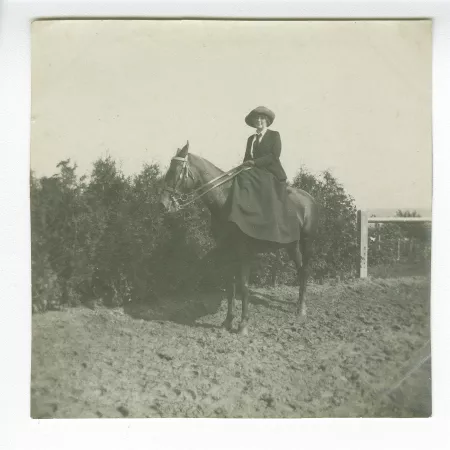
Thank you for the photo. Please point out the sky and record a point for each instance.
(353, 97)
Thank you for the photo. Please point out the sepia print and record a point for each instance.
(231, 219)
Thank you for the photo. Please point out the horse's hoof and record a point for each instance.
(243, 330)
(227, 324)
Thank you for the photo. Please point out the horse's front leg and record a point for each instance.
(245, 275)
(231, 297)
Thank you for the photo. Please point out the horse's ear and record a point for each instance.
(184, 151)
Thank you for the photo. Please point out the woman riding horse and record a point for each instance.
(259, 202)
(266, 213)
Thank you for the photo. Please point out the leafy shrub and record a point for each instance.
(335, 246)
(103, 237)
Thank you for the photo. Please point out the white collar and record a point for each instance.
(262, 133)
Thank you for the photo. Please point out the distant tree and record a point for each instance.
(393, 242)
(418, 231)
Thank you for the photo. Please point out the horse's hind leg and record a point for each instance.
(300, 255)
(306, 251)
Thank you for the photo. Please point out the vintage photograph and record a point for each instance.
(231, 218)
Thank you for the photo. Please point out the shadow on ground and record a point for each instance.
(183, 309)
(271, 302)
(188, 308)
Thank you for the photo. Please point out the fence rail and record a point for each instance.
(363, 220)
(398, 219)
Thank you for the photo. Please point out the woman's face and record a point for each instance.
(261, 121)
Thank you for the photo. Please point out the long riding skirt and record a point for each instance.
(259, 205)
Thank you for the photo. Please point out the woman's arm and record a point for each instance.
(248, 153)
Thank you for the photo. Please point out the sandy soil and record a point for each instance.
(173, 359)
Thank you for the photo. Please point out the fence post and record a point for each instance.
(363, 241)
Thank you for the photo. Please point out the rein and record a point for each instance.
(185, 200)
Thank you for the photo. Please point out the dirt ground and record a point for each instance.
(363, 351)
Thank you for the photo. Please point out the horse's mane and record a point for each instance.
(291, 189)
(207, 163)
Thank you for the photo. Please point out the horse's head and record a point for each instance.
(178, 180)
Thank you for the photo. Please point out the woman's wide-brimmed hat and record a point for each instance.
(250, 119)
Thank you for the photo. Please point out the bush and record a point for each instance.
(104, 238)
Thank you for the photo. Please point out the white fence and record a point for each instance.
(363, 234)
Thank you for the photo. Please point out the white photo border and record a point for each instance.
(18, 430)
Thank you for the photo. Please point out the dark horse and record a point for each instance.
(188, 172)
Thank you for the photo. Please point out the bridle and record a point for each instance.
(181, 200)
